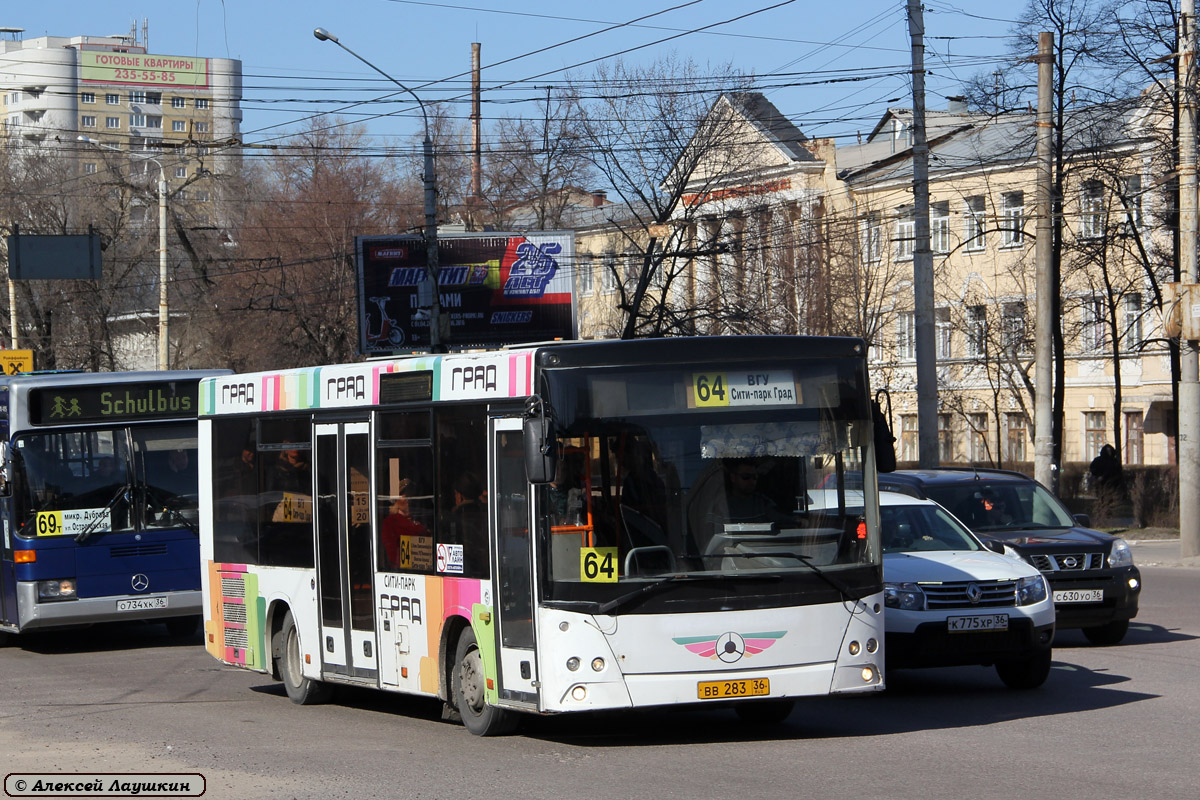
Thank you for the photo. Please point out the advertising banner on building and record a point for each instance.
(143, 69)
(496, 289)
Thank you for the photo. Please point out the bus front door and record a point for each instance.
(342, 468)
(512, 566)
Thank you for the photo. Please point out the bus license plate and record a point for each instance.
(982, 622)
(1079, 596)
(141, 604)
(749, 687)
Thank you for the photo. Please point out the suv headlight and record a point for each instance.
(1121, 554)
(906, 596)
(61, 589)
(1031, 590)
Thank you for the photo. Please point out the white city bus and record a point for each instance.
(553, 528)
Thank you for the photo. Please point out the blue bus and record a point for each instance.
(98, 500)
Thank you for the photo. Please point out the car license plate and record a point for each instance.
(749, 687)
(982, 622)
(1079, 595)
(141, 604)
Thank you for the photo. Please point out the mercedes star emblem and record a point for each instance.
(140, 582)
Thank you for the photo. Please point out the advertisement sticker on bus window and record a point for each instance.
(765, 387)
(293, 507)
(450, 558)
(416, 552)
(598, 564)
(73, 522)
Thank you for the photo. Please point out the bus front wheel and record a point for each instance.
(467, 687)
(301, 690)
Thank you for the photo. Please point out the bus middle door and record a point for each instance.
(512, 565)
(342, 468)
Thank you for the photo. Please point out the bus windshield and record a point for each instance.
(654, 481)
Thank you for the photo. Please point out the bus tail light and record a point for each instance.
(24, 556)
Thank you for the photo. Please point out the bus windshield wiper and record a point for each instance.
(644, 591)
(841, 588)
(91, 527)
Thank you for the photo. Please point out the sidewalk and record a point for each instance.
(1158, 552)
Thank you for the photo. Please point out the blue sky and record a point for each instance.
(797, 48)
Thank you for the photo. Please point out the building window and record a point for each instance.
(137, 120)
(137, 97)
(976, 331)
(178, 102)
(1016, 338)
(87, 121)
(14, 120)
(1094, 433)
(945, 439)
(181, 172)
(154, 122)
(87, 97)
(1132, 323)
(906, 236)
(1091, 210)
(1131, 200)
(1012, 212)
(1134, 438)
(974, 223)
(1095, 331)
(979, 437)
(939, 227)
(585, 276)
(89, 168)
(909, 437)
(608, 274)
(872, 238)
(201, 102)
(906, 336)
(201, 127)
(154, 98)
(178, 126)
(1018, 436)
(945, 343)
(112, 123)
(200, 196)
(112, 99)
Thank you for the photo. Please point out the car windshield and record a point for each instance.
(912, 528)
(998, 505)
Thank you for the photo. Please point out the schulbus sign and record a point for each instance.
(150, 399)
(495, 289)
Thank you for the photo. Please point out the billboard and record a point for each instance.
(496, 289)
(143, 69)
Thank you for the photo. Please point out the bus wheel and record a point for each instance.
(765, 712)
(181, 627)
(467, 684)
(302, 691)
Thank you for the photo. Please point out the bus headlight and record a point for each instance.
(906, 596)
(58, 589)
(1031, 590)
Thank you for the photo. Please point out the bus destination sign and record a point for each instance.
(148, 400)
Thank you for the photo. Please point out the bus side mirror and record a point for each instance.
(541, 450)
(885, 442)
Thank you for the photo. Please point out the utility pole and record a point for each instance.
(1043, 405)
(1189, 350)
(476, 121)
(927, 433)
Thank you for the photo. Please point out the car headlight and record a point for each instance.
(1031, 590)
(906, 596)
(1121, 554)
(59, 589)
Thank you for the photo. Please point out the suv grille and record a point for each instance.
(957, 594)
(1067, 562)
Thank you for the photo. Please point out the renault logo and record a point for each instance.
(974, 593)
(140, 582)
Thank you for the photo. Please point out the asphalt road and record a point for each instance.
(1111, 722)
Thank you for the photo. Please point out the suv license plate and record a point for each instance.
(1079, 596)
(750, 687)
(141, 603)
(983, 622)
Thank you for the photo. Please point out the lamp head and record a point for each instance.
(324, 35)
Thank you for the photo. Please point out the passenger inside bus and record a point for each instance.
(398, 524)
(291, 473)
(468, 518)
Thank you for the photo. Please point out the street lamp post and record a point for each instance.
(430, 179)
(163, 348)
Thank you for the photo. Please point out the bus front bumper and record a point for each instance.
(114, 608)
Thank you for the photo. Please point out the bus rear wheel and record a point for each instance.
(467, 683)
(301, 690)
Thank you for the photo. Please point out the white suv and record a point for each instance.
(951, 601)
